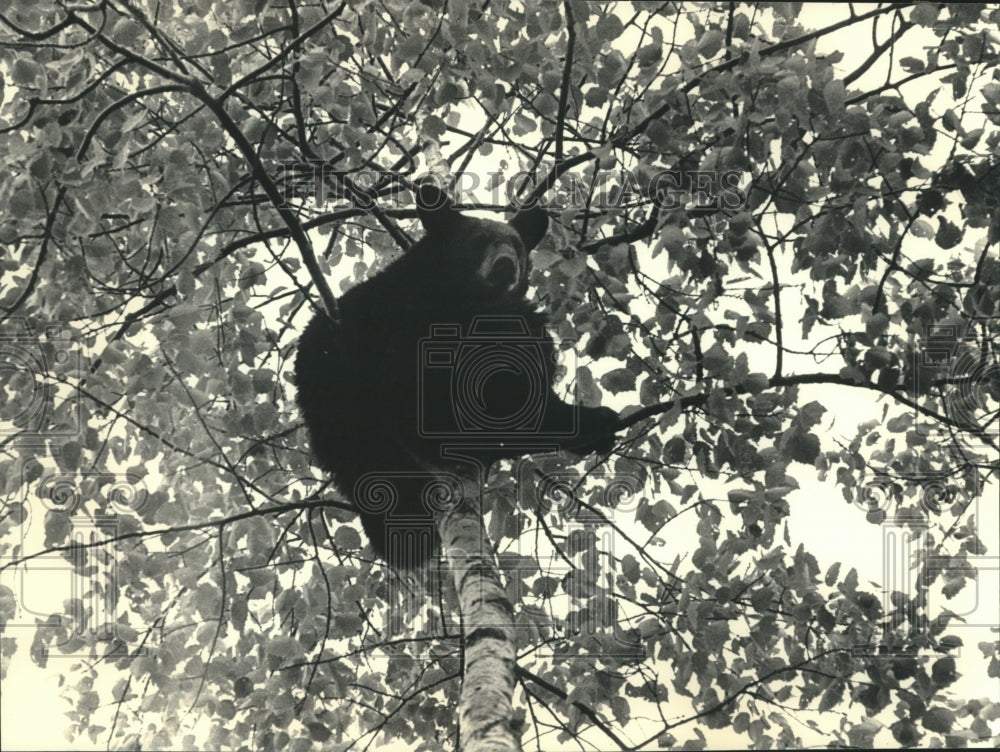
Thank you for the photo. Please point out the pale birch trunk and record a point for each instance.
(486, 713)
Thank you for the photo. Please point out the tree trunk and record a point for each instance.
(486, 715)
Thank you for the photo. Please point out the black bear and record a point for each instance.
(439, 367)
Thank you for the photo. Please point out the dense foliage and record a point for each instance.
(754, 236)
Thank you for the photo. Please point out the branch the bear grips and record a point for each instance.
(439, 367)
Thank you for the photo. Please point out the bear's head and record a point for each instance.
(501, 261)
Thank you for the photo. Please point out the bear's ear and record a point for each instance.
(435, 209)
(531, 225)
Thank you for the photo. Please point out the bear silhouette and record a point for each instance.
(440, 366)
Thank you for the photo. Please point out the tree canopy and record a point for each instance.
(773, 245)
